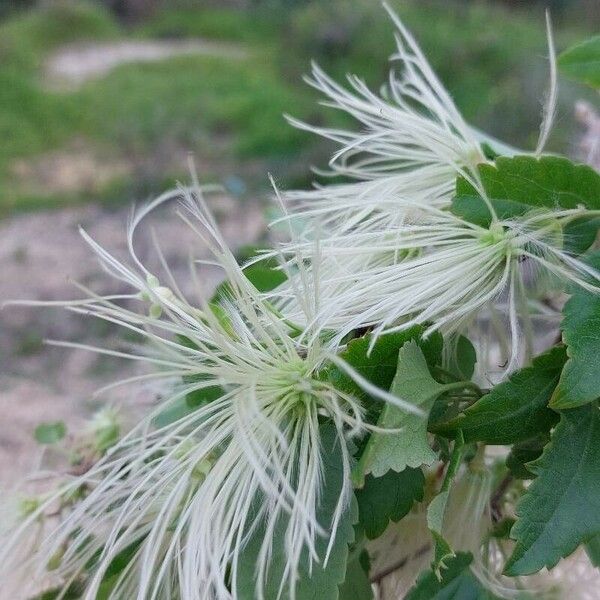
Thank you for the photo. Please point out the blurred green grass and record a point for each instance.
(228, 110)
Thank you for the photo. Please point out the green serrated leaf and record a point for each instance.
(561, 508)
(515, 410)
(410, 448)
(50, 433)
(580, 380)
(582, 61)
(356, 585)
(315, 580)
(388, 498)
(457, 583)
(519, 184)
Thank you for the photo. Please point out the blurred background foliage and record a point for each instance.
(124, 134)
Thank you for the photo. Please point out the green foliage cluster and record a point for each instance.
(231, 108)
(186, 102)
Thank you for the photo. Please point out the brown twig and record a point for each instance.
(496, 499)
(377, 578)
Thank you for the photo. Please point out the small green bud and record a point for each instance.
(155, 311)
(152, 281)
(105, 429)
(55, 560)
(27, 506)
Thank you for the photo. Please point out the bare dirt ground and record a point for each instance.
(38, 253)
(77, 169)
(73, 65)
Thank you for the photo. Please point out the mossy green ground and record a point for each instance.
(228, 111)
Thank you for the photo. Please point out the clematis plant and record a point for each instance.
(390, 412)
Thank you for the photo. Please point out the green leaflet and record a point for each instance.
(580, 234)
(561, 508)
(582, 61)
(525, 452)
(356, 585)
(202, 396)
(502, 529)
(592, 548)
(462, 358)
(264, 275)
(188, 404)
(74, 592)
(580, 380)
(321, 583)
(114, 571)
(388, 498)
(457, 583)
(488, 151)
(437, 510)
(175, 411)
(106, 587)
(207, 394)
(519, 184)
(515, 410)
(409, 448)
(50, 433)
(379, 365)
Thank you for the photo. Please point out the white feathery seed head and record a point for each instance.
(182, 500)
(441, 272)
(411, 145)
